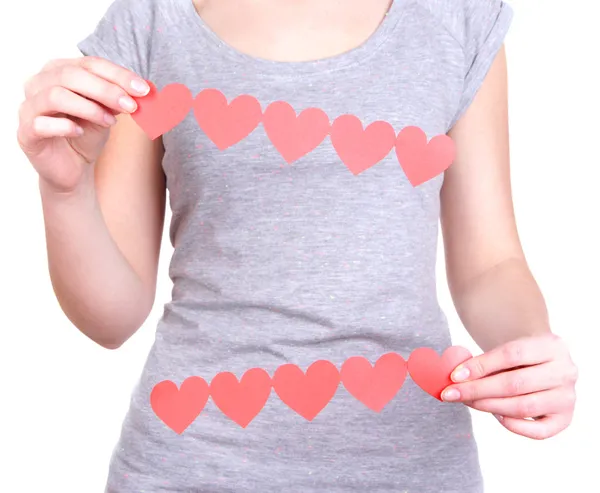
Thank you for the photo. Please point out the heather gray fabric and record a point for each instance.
(278, 263)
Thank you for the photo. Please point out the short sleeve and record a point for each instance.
(481, 27)
(125, 35)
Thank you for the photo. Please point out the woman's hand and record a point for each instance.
(65, 119)
(532, 377)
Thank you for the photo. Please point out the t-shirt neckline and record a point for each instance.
(282, 68)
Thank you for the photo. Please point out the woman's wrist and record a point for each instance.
(84, 190)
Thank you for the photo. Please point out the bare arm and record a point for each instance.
(104, 238)
(495, 294)
(525, 370)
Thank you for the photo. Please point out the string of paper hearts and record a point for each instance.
(306, 393)
(295, 135)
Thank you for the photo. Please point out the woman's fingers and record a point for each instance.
(128, 80)
(57, 101)
(86, 89)
(78, 80)
(46, 127)
(520, 352)
(131, 83)
(75, 74)
(92, 87)
(539, 429)
(508, 384)
(528, 406)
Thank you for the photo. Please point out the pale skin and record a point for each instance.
(103, 196)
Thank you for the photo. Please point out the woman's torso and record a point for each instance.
(278, 262)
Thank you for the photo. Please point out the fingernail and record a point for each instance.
(109, 119)
(461, 374)
(498, 417)
(451, 395)
(140, 86)
(127, 103)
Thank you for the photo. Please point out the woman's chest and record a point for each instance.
(352, 129)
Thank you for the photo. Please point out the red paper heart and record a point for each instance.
(360, 148)
(226, 124)
(178, 408)
(422, 161)
(294, 135)
(241, 401)
(309, 393)
(377, 385)
(161, 111)
(432, 373)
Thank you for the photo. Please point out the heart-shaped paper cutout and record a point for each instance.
(226, 124)
(178, 408)
(432, 372)
(309, 393)
(241, 401)
(420, 160)
(376, 385)
(295, 135)
(161, 111)
(360, 148)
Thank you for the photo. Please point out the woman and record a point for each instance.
(298, 240)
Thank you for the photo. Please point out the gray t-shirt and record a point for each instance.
(280, 262)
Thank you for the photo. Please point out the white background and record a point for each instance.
(62, 398)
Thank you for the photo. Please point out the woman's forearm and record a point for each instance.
(501, 305)
(94, 283)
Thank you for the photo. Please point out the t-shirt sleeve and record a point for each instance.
(124, 35)
(481, 27)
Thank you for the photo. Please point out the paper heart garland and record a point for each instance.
(306, 393)
(360, 148)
